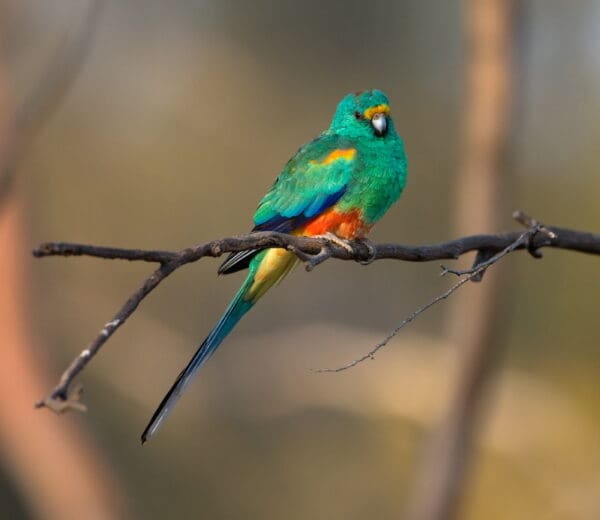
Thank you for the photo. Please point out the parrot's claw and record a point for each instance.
(312, 261)
(337, 241)
(372, 251)
(345, 244)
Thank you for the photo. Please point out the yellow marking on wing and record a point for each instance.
(347, 154)
(273, 268)
(377, 109)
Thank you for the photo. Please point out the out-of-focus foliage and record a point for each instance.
(182, 117)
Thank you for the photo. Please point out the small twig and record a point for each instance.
(411, 317)
(313, 261)
(523, 239)
(312, 251)
(61, 391)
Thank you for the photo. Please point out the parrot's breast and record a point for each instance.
(376, 182)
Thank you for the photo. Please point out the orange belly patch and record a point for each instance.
(345, 225)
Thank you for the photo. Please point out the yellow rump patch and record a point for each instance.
(348, 154)
(272, 269)
(377, 109)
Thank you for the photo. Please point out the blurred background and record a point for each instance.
(179, 118)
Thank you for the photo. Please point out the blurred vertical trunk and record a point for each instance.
(60, 474)
(476, 314)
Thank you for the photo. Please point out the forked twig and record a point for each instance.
(469, 274)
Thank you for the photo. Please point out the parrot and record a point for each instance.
(336, 186)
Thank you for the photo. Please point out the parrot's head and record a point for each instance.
(363, 114)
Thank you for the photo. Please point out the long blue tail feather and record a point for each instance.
(236, 309)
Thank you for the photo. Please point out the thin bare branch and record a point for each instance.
(522, 241)
(309, 250)
(306, 247)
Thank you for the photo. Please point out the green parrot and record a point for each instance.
(337, 185)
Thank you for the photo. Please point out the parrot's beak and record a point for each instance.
(379, 123)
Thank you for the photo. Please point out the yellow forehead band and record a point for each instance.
(378, 109)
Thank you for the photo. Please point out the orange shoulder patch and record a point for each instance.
(348, 154)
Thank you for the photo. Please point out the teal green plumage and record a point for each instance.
(342, 183)
(296, 190)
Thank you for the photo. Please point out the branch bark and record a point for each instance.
(582, 241)
(62, 398)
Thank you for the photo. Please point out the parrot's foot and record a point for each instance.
(337, 241)
(312, 261)
(371, 248)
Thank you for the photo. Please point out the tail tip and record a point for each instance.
(147, 435)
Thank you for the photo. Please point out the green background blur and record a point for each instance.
(181, 118)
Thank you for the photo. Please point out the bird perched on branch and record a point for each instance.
(337, 185)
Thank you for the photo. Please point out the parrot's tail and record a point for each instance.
(266, 269)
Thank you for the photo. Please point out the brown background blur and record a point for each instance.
(181, 118)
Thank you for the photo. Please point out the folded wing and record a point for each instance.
(312, 181)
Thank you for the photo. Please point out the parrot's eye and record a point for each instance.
(379, 124)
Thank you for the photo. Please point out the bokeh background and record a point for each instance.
(180, 118)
